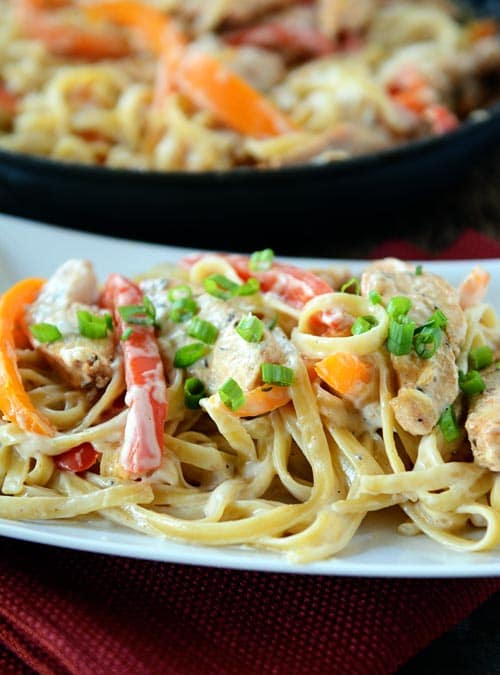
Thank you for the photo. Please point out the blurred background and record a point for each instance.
(436, 205)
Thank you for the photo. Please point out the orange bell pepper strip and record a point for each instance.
(344, 372)
(8, 101)
(38, 20)
(146, 396)
(482, 28)
(199, 76)
(156, 30)
(212, 86)
(15, 403)
(262, 400)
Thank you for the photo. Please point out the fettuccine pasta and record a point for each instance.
(232, 400)
(199, 85)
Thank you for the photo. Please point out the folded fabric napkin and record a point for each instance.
(67, 612)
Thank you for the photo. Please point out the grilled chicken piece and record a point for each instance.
(483, 422)
(242, 11)
(209, 15)
(426, 386)
(230, 355)
(81, 361)
(337, 16)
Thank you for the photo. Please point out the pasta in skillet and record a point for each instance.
(235, 400)
(199, 85)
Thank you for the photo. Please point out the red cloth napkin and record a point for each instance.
(64, 612)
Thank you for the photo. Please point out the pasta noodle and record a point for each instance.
(202, 85)
(233, 400)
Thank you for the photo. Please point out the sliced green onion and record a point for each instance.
(438, 319)
(94, 326)
(251, 287)
(250, 328)
(181, 292)
(203, 330)
(220, 286)
(363, 324)
(194, 391)
(261, 260)
(189, 354)
(352, 283)
(398, 307)
(375, 297)
(448, 424)
(471, 382)
(45, 332)
(480, 357)
(142, 315)
(231, 394)
(126, 334)
(400, 337)
(428, 336)
(418, 270)
(274, 322)
(426, 341)
(274, 373)
(183, 309)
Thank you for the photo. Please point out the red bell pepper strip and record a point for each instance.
(146, 395)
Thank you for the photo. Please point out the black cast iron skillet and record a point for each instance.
(242, 208)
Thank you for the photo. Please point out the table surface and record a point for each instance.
(474, 202)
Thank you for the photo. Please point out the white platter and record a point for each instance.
(32, 249)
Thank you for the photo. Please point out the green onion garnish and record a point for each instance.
(401, 327)
(400, 337)
(273, 373)
(189, 354)
(428, 336)
(194, 391)
(45, 332)
(250, 328)
(126, 334)
(231, 394)
(375, 297)
(448, 424)
(144, 315)
(363, 324)
(274, 322)
(251, 287)
(352, 283)
(261, 260)
(220, 286)
(471, 382)
(181, 292)
(203, 330)
(480, 357)
(398, 307)
(94, 326)
(183, 309)
(438, 319)
(426, 341)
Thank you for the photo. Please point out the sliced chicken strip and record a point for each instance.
(483, 422)
(209, 15)
(337, 16)
(80, 360)
(425, 386)
(230, 356)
